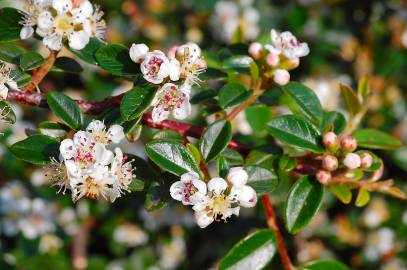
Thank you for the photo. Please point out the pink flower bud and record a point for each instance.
(172, 52)
(366, 160)
(256, 50)
(272, 59)
(352, 161)
(330, 140)
(330, 162)
(281, 76)
(348, 143)
(323, 176)
(293, 63)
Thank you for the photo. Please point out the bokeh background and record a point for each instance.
(40, 229)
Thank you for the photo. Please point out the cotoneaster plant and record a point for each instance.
(318, 151)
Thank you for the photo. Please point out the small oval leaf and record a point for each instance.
(232, 94)
(137, 101)
(376, 139)
(115, 58)
(65, 109)
(261, 179)
(324, 265)
(215, 138)
(36, 149)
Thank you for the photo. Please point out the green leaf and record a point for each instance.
(11, 53)
(223, 166)
(157, 197)
(351, 100)
(36, 149)
(261, 179)
(115, 58)
(342, 192)
(171, 156)
(215, 138)
(296, 131)
(87, 54)
(334, 121)
(6, 113)
(9, 24)
(258, 116)
(376, 139)
(65, 109)
(363, 197)
(233, 94)
(306, 99)
(213, 74)
(66, 64)
(195, 153)
(52, 129)
(168, 135)
(31, 60)
(239, 64)
(303, 202)
(233, 158)
(263, 156)
(363, 87)
(137, 101)
(253, 252)
(324, 265)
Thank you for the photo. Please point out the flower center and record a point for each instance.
(153, 66)
(93, 189)
(171, 98)
(63, 24)
(220, 204)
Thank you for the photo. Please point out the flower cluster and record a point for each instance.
(175, 73)
(341, 149)
(282, 55)
(6, 80)
(216, 200)
(59, 20)
(88, 168)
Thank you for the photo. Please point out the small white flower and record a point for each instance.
(237, 176)
(6, 80)
(170, 99)
(281, 77)
(246, 196)
(287, 44)
(138, 52)
(189, 190)
(98, 130)
(352, 161)
(122, 169)
(155, 67)
(191, 63)
(95, 26)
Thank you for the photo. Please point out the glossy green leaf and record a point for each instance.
(6, 113)
(333, 121)
(258, 116)
(88, 53)
(11, 53)
(36, 149)
(376, 139)
(31, 60)
(234, 158)
(303, 202)
(324, 265)
(171, 156)
(52, 129)
(263, 156)
(137, 101)
(223, 166)
(9, 24)
(213, 74)
(65, 109)
(351, 100)
(232, 94)
(195, 153)
(306, 99)
(253, 252)
(239, 64)
(296, 131)
(168, 135)
(261, 179)
(342, 192)
(215, 138)
(115, 58)
(66, 64)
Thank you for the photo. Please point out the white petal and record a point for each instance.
(183, 111)
(78, 40)
(202, 219)
(12, 84)
(217, 185)
(237, 176)
(81, 138)
(62, 6)
(67, 149)
(83, 12)
(176, 190)
(247, 197)
(189, 176)
(174, 69)
(3, 91)
(53, 41)
(72, 168)
(200, 185)
(138, 52)
(115, 133)
(95, 126)
(42, 32)
(45, 20)
(26, 32)
(102, 155)
(159, 114)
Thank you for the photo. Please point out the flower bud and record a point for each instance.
(352, 161)
(237, 176)
(293, 63)
(323, 176)
(272, 59)
(330, 140)
(281, 76)
(330, 162)
(247, 197)
(256, 50)
(138, 52)
(348, 143)
(366, 160)
(172, 52)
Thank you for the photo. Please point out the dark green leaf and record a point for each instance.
(334, 121)
(65, 109)
(31, 60)
(203, 96)
(324, 265)
(253, 252)
(168, 135)
(52, 129)
(258, 116)
(11, 53)
(66, 64)
(239, 64)
(6, 113)
(303, 202)
(87, 54)
(115, 58)
(233, 94)
(9, 24)
(137, 101)
(157, 196)
(376, 139)
(296, 131)
(37, 149)
(261, 179)
(233, 157)
(263, 156)
(213, 74)
(306, 99)
(171, 156)
(215, 138)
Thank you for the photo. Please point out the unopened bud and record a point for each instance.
(352, 161)
(138, 52)
(323, 176)
(171, 54)
(256, 50)
(281, 76)
(330, 140)
(293, 63)
(237, 176)
(329, 162)
(348, 144)
(366, 160)
(272, 59)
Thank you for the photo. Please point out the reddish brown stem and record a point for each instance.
(39, 74)
(272, 223)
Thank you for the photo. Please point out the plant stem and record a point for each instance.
(39, 74)
(272, 223)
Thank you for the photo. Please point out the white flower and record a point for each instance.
(122, 169)
(237, 176)
(191, 63)
(170, 99)
(189, 190)
(98, 130)
(352, 161)
(155, 67)
(95, 26)
(138, 52)
(287, 44)
(6, 80)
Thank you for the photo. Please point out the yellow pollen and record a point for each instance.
(220, 204)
